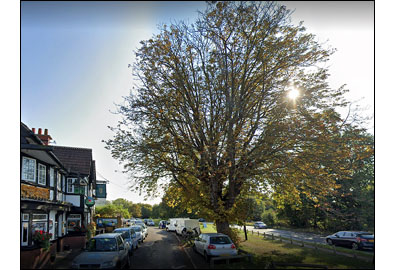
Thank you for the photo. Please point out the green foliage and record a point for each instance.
(112, 210)
(269, 217)
(135, 210)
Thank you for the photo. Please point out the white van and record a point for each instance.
(187, 225)
(172, 224)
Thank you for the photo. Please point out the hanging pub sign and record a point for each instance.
(89, 201)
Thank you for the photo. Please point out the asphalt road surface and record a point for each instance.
(160, 250)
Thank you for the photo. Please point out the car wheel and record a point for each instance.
(354, 246)
(128, 263)
(329, 242)
(207, 257)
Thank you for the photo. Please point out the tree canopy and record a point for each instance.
(209, 116)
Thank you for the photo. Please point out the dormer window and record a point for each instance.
(42, 174)
(28, 169)
(70, 185)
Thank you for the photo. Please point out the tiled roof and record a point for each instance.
(75, 159)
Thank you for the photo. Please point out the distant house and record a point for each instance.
(80, 184)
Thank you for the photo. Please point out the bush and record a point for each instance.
(269, 217)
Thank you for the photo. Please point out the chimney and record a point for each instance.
(44, 138)
(34, 130)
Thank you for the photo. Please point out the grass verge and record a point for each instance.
(264, 251)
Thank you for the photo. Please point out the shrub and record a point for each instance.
(269, 217)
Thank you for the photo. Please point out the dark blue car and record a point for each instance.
(353, 239)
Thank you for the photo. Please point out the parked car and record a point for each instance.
(108, 250)
(145, 233)
(129, 235)
(150, 222)
(162, 224)
(202, 220)
(353, 239)
(139, 231)
(214, 244)
(260, 225)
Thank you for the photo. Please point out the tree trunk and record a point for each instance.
(223, 227)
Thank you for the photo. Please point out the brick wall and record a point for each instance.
(36, 258)
(74, 242)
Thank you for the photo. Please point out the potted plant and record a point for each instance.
(42, 239)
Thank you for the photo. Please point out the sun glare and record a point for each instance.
(293, 94)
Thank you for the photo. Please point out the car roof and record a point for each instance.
(107, 235)
(121, 229)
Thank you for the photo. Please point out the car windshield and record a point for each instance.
(222, 240)
(125, 234)
(137, 229)
(102, 244)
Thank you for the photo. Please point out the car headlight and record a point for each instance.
(108, 264)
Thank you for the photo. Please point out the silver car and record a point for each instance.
(129, 235)
(214, 244)
(139, 231)
(143, 226)
(108, 250)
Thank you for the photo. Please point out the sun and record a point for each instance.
(293, 94)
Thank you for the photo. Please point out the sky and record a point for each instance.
(75, 56)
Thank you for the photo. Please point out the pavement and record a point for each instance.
(63, 259)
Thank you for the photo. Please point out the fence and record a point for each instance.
(316, 246)
(228, 258)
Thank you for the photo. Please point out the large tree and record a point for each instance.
(210, 116)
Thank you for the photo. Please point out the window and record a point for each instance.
(59, 181)
(24, 229)
(41, 174)
(28, 169)
(52, 177)
(120, 242)
(73, 222)
(70, 185)
(39, 222)
(24, 234)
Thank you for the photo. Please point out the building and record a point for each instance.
(43, 201)
(80, 184)
(58, 185)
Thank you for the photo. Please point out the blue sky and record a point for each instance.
(75, 56)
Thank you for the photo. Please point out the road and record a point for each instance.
(160, 250)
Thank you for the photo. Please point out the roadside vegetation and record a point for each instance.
(265, 251)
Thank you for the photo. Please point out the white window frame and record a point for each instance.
(24, 225)
(23, 167)
(59, 179)
(51, 177)
(70, 185)
(41, 170)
